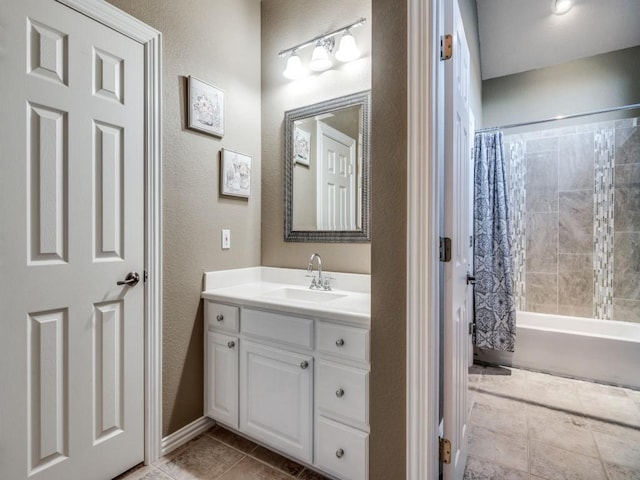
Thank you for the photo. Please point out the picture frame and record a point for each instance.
(302, 146)
(235, 174)
(205, 107)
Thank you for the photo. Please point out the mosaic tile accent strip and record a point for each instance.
(603, 200)
(517, 214)
(603, 223)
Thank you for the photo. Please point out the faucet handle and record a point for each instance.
(313, 282)
(327, 282)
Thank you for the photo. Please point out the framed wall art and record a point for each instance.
(302, 146)
(206, 107)
(235, 174)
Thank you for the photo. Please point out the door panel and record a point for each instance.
(72, 154)
(108, 348)
(457, 227)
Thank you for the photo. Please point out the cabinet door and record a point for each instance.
(221, 378)
(275, 398)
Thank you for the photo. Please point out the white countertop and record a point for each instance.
(279, 289)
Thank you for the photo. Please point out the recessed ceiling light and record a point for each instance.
(560, 7)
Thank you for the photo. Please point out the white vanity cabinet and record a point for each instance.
(276, 398)
(221, 389)
(296, 383)
(221, 359)
(342, 400)
(276, 381)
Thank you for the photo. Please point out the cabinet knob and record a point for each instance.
(220, 317)
(304, 365)
(339, 342)
(340, 393)
(340, 453)
(231, 344)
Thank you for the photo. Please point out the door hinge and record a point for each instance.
(445, 450)
(446, 47)
(146, 275)
(445, 249)
(472, 328)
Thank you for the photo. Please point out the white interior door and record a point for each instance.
(336, 179)
(457, 308)
(72, 214)
(470, 268)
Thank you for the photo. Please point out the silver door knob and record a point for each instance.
(339, 342)
(219, 317)
(340, 393)
(340, 453)
(131, 280)
(231, 344)
(304, 365)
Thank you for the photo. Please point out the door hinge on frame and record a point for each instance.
(445, 249)
(446, 47)
(146, 276)
(445, 450)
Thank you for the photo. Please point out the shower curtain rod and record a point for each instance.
(561, 117)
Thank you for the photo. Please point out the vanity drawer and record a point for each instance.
(341, 450)
(343, 341)
(278, 327)
(221, 316)
(341, 392)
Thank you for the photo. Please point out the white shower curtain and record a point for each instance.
(495, 313)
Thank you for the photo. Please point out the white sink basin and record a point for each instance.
(305, 295)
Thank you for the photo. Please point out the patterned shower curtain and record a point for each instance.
(495, 313)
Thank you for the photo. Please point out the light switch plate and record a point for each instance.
(226, 239)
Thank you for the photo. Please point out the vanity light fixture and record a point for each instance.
(320, 57)
(560, 7)
(348, 50)
(294, 69)
(320, 60)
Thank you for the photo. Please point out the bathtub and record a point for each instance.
(604, 351)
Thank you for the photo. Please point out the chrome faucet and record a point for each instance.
(319, 283)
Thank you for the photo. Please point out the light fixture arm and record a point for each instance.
(322, 38)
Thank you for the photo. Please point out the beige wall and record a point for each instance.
(194, 214)
(217, 41)
(388, 246)
(286, 23)
(593, 83)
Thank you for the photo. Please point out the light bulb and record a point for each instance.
(560, 7)
(348, 50)
(320, 59)
(294, 68)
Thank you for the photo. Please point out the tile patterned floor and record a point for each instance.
(531, 426)
(524, 426)
(219, 454)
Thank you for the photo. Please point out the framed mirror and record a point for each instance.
(326, 194)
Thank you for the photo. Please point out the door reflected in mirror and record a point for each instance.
(327, 171)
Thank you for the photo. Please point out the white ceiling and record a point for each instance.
(521, 35)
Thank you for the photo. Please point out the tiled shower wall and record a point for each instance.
(575, 207)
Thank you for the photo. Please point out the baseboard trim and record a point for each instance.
(186, 433)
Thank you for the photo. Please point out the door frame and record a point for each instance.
(151, 40)
(424, 173)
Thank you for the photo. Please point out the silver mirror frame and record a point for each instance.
(328, 236)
